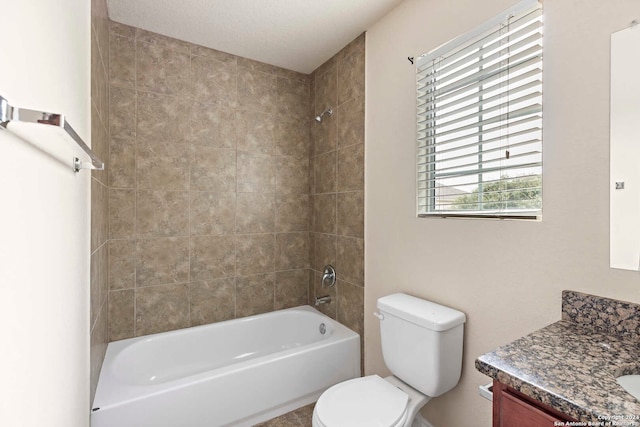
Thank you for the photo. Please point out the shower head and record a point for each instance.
(328, 112)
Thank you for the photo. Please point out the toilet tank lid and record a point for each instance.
(421, 312)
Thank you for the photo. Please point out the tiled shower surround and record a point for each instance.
(99, 186)
(225, 196)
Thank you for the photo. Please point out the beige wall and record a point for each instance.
(45, 219)
(507, 276)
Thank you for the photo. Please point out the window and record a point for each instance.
(479, 121)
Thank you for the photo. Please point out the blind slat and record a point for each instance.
(462, 156)
(530, 24)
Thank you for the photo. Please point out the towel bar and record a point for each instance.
(9, 113)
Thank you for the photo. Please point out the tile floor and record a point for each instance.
(299, 418)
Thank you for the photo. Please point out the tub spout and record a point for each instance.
(323, 300)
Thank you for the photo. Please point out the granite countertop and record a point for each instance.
(572, 365)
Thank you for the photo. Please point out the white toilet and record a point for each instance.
(421, 346)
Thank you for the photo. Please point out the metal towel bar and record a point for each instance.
(9, 113)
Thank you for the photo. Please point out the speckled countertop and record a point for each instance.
(572, 365)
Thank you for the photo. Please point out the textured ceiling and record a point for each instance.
(295, 34)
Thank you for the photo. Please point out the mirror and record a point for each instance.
(624, 190)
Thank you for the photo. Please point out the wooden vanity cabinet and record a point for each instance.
(513, 409)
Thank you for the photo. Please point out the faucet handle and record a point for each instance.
(329, 276)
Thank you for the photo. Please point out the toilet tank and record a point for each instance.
(421, 342)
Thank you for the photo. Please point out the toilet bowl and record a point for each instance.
(421, 345)
(367, 402)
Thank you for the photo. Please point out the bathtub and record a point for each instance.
(234, 373)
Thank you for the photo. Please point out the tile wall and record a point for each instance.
(337, 183)
(226, 198)
(99, 186)
(208, 185)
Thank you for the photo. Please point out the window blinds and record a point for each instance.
(479, 120)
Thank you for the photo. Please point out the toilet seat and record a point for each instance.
(368, 402)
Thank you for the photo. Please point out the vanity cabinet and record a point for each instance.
(513, 409)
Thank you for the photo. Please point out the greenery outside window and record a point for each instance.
(479, 121)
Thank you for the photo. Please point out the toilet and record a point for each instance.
(422, 347)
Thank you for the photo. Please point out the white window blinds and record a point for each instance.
(479, 120)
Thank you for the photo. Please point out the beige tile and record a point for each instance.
(99, 341)
(162, 213)
(350, 259)
(214, 81)
(326, 132)
(350, 214)
(255, 253)
(324, 213)
(99, 80)
(100, 22)
(325, 252)
(350, 119)
(162, 41)
(293, 75)
(256, 90)
(292, 212)
(212, 257)
(162, 261)
(122, 29)
(291, 288)
(326, 92)
(256, 131)
(212, 301)
(122, 214)
(312, 249)
(294, 98)
(287, 420)
(100, 141)
(122, 163)
(327, 67)
(98, 281)
(213, 126)
(161, 70)
(212, 213)
(162, 118)
(162, 308)
(305, 415)
(162, 164)
(256, 65)
(254, 294)
(255, 213)
(122, 116)
(292, 136)
(350, 171)
(121, 314)
(122, 61)
(292, 175)
(213, 54)
(350, 307)
(213, 170)
(351, 71)
(256, 173)
(99, 214)
(311, 292)
(122, 264)
(292, 251)
(324, 171)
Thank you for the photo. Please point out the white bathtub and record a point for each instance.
(234, 373)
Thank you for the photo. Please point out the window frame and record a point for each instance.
(448, 51)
